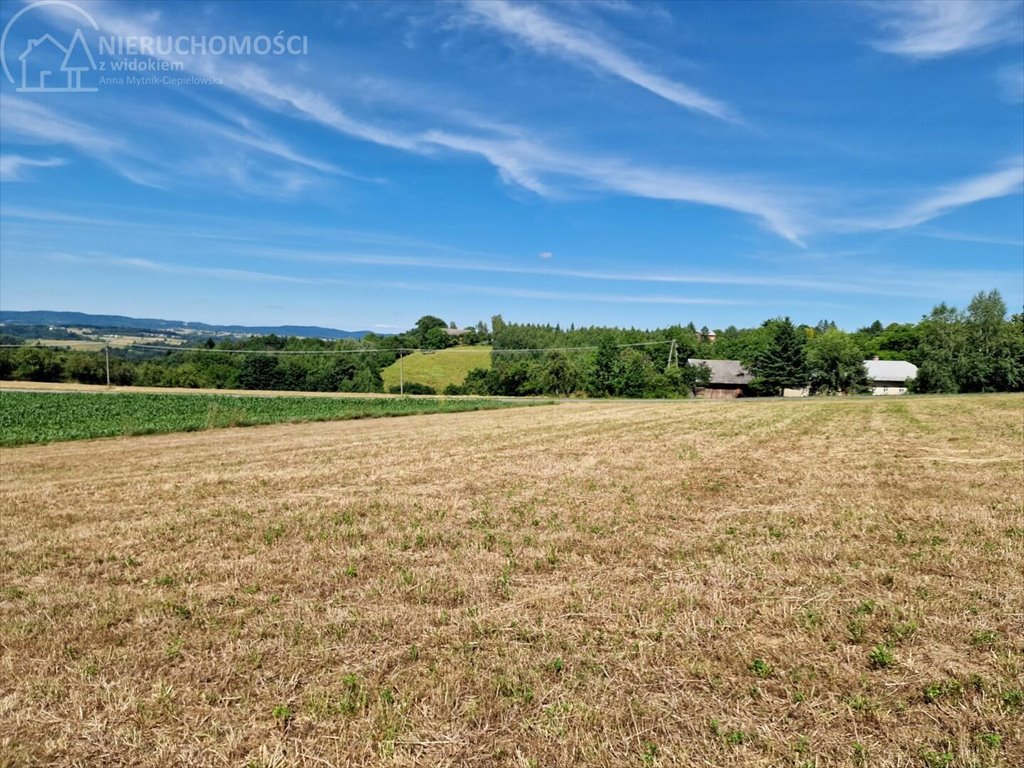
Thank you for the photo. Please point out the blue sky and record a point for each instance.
(610, 162)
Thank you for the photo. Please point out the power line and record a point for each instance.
(571, 349)
(267, 351)
(364, 351)
(93, 347)
(385, 349)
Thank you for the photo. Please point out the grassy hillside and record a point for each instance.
(439, 369)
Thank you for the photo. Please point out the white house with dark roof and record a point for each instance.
(890, 377)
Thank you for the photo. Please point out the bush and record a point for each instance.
(36, 364)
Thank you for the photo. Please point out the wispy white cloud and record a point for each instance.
(967, 237)
(627, 8)
(217, 227)
(536, 166)
(1000, 183)
(11, 215)
(598, 298)
(36, 123)
(214, 150)
(248, 158)
(1005, 181)
(830, 273)
(149, 265)
(546, 34)
(1011, 83)
(252, 136)
(12, 167)
(926, 29)
(271, 91)
(520, 159)
(30, 119)
(531, 166)
(776, 206)
(832, 278)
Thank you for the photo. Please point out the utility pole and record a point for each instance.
(106, 351)
(401, 373)
(673, 356)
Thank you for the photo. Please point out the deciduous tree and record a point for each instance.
(835, 364)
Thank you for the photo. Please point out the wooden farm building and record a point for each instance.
(728, 379)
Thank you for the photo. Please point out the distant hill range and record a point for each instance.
(84, 320)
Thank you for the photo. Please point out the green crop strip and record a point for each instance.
(46, 417)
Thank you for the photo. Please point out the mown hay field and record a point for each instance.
(815, 583)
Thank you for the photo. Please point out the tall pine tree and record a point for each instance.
(783, 363)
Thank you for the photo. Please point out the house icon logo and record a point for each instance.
(35, 78)
(45, 64)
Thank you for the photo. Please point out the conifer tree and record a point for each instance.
(782, 363)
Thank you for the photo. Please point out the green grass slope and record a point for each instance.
(438, 369)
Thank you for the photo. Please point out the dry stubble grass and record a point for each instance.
(585, 584)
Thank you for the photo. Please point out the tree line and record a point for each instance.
(978, 349)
